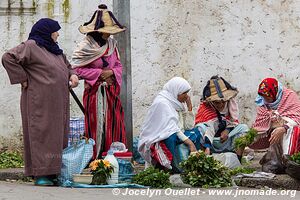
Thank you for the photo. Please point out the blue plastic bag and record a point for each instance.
(75, 158)
(125, 171)
(136, 155)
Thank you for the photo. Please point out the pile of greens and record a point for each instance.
(296, 158)
(246, 139)
(153, 177)
(201, 170)
(11, 160)
(241, 170)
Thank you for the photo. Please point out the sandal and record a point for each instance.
(43, 181)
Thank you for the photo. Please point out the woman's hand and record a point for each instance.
(189, 103)
(191, 145)
(24, 85)
(192, 148)
(106, 73)
(207, 151)
(74, 81)
(109, 80)
(224, 135)
(276, 135)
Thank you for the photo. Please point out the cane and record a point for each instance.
(77, 100)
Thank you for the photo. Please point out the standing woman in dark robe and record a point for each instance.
(97, 61)
(45, 75)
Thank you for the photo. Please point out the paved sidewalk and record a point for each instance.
(279, 182)
(26, 191)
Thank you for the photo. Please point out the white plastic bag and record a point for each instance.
(118, 147)
(228, 159)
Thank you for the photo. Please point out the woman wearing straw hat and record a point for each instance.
(217, 117)
(96, 60)
(43, 71)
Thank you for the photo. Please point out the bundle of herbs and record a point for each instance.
(201, 170)
(153, 177)
(246, 139)
(242, 170)
(296, 158)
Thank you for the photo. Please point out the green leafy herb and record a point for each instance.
(296, 158)
(246, 139)
(11, 160)
(242, 170)
(204, 171)
(153, 177)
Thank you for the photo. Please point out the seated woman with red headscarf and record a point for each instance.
(277, 119)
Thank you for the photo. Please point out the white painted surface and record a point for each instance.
(243, 41)
(16, 29)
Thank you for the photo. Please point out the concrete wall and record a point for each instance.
(17, 20)
(244, 41)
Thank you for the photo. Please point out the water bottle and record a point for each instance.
(114, 162)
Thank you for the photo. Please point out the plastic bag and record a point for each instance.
(136, 155)
(272, 161)
(118, 147)
(292, 168)
(125, 171)
(75, 158)
(228, 159)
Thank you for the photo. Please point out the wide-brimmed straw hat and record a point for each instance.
(102, 21)
(217, 89)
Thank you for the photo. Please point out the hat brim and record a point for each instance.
(227, 95)
(107, 29)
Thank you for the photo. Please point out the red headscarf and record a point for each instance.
(268, 88)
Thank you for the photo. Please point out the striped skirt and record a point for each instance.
(104, 116)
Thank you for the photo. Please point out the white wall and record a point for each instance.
(243, 41)
(15, 29)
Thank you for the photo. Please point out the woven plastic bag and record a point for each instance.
(75, 158)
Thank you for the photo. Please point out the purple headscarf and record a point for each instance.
(41, 34)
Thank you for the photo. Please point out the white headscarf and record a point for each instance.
(162, 118)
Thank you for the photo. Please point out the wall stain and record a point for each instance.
(66, 10)
(33, 4)
(17, 8)
(22, 26)
(50, 8)
(21, 8)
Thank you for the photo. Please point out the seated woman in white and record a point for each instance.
(168, 124)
